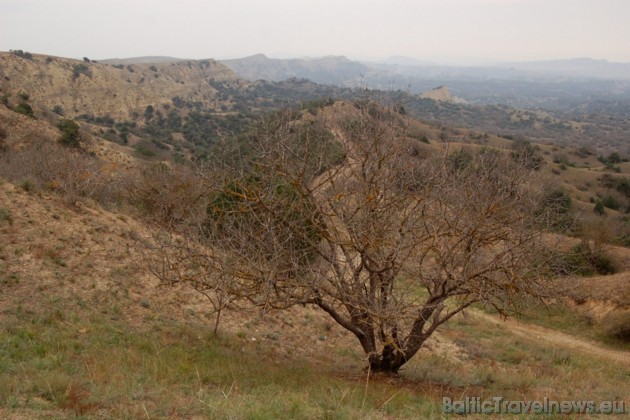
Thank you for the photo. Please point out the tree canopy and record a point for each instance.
(390, 242)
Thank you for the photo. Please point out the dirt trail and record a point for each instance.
(557, 338)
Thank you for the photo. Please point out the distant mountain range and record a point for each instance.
(555, 84)
(337, 70)
(141, 60)
(398, 70)
(586, 68)
(341, 70)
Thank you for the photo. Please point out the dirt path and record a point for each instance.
(557, 338)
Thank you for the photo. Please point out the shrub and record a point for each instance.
(612, 159)
(24, 109)
(527, 154)
(555, 209)
(143, 150)
(80, 69)
(617, 325)
(599, 208)
(587, 260)
(22, 54)
(45, 165)
(148, 112)
(5, 215)
(610, 202)
(460, 159)
(70, 135)
(167, 195)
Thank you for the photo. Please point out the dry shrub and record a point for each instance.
(74, 174)
(167, 195)
(617, 325)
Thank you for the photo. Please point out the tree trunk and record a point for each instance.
(390, 360)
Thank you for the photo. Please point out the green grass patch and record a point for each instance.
(58, 364)
(174, 370)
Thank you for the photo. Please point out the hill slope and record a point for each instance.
(79, 87)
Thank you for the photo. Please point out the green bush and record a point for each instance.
(24, 109)
(599, 208)
(610, 202)
(80, 69)
(5, 215)
(70, 135)
(148, 112)
(587, 260)
(22, 54)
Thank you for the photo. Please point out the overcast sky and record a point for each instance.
(468, 31)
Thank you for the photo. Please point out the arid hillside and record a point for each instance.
(76, 224)
(75, 87)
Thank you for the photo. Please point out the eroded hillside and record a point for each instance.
(75, 87)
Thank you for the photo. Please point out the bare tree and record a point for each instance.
(391, 240)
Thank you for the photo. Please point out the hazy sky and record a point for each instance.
(471, 31)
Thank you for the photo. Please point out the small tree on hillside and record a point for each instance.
(391, 244)
(70, 135)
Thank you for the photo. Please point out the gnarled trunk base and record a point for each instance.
(392, 358)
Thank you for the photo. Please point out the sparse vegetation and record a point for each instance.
(22, 54)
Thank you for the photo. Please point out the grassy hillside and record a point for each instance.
(86, 331)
